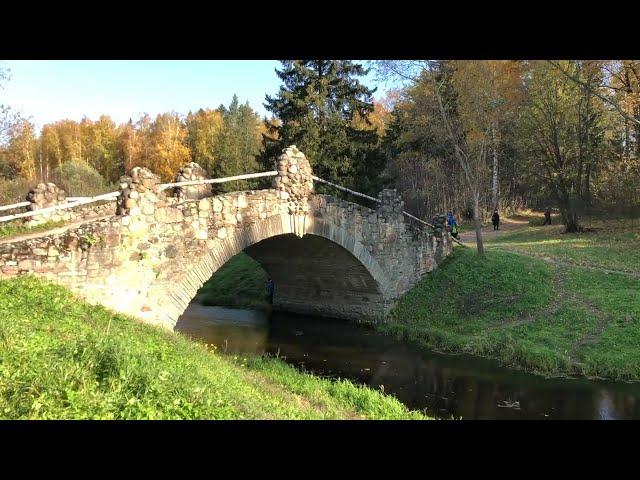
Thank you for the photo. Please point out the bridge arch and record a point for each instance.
(279, 228)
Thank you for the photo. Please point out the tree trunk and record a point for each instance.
(587, 187)
(494, 185)
(568, 214)
(476, 222)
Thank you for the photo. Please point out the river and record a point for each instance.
(440, 385)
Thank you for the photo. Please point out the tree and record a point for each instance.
(239, 142)
(63, 142)
(7, 117)
(101, 147)
(22, 149)
(419, 157)
(168, 150)
(50, 150)
(134, 144)
(78, 179)
(377, 120)
(204, 129)
(562, 132)
(316, 108)
(466, 99)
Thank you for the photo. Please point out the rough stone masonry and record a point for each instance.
(149, 257)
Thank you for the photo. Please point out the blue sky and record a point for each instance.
(50, 90)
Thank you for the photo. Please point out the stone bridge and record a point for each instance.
(153, 251)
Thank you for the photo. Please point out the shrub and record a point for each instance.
(79, 180)
(14, 191)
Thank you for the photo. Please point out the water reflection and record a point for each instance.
(441, 385)
(231, 330)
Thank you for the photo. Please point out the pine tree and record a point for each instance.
(315, 110)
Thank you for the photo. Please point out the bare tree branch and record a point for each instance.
(600, 96)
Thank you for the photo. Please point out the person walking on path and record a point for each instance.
(547, 216)
(495, 219)
(270, 289)
(452, 224)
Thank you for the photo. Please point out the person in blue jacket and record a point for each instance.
(270, 289)
(452, 224)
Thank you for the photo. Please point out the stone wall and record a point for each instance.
(46, 195)
(150, 257)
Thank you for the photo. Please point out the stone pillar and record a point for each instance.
(390, 214)
(190, 172)
(44, 196)
(138, 192)
(391, 204)
(440, 224)
(441, 234)
(138, 201)
(294, 184)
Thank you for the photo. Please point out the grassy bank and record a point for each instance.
(241, 283)
(609, 244)
(61, 358)
(15, 228)
(551, 318)
(541, 300)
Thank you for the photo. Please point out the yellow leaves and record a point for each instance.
(22, 148)
(379, 118)
(168, 148)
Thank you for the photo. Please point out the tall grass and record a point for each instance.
(61, 358)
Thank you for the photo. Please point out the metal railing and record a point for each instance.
(76, 201)
(377, 200)
(63, 206)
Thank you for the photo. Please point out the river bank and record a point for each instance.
(441, 385)
(550, 303)
(61, 358)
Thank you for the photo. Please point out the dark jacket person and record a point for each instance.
(495, 219)
(270, 289)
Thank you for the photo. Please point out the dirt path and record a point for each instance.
(506, 225)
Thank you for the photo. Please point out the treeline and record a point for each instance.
(479, 135)
(467, 136)
(321, 107)
(225, 141)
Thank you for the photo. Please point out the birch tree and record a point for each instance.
(467, 104)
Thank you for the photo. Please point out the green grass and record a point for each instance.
(61, 358)
(554, 319)
(14, 228)
(550, 319)
(241, 282)
(613, 245)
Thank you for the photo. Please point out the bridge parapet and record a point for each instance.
(46, 195)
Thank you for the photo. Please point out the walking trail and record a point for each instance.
(506, 225)
(509, 225)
